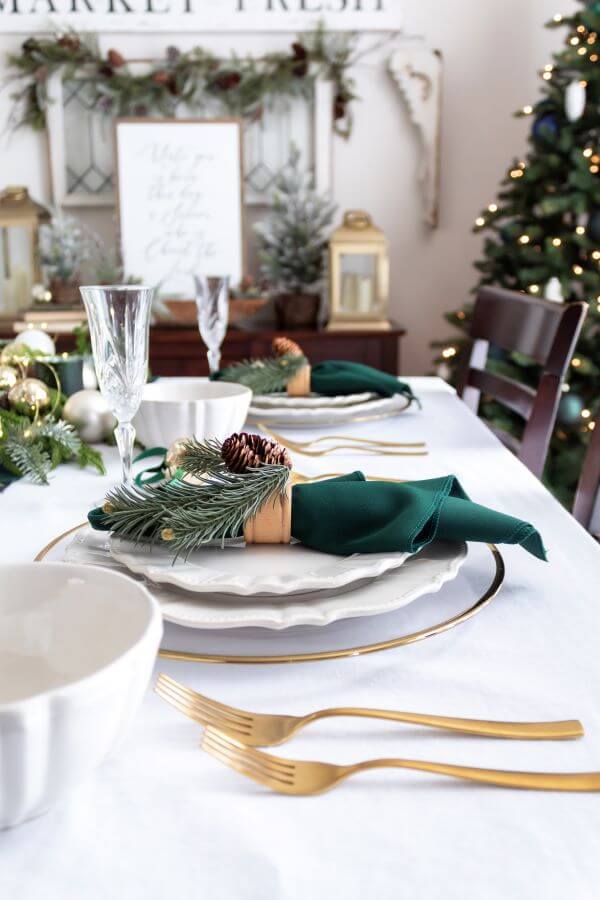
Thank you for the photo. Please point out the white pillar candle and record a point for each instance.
(365, 294)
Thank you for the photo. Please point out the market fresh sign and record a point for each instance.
(202, 15)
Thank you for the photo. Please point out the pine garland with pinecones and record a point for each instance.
(238, 477)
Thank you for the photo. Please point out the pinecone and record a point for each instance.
(282, 346)
(115, 59)
(244, 451)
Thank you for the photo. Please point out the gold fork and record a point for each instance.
(380, 451)
(340, 437)
(262, 730)
(297, 777)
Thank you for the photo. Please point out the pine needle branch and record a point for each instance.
(30, 460)
(199, 459)
(265, 376)
(223, 506)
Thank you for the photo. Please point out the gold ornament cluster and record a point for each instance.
(25, 395)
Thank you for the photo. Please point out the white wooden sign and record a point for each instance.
(23, 16)
(179, 194)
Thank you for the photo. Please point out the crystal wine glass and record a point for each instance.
(119, 320)
(212, 302)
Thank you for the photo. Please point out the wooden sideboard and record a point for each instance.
(178, 350)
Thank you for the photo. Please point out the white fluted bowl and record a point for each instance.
(77, 646)
(173, 408)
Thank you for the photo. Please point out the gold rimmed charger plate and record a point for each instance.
(321, 655)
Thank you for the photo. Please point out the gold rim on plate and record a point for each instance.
(320, 655)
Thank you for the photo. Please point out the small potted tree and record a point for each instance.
(293, 242)
(64, 246)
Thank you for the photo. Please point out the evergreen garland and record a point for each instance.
(546, 225)
(32, 449)
(194, 78)
(265, 376)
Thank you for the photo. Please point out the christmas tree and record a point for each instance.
(542, 237)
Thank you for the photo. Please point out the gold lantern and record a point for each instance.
(358, 275)
(20, 218)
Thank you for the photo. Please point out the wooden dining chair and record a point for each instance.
(544, 331)
(588, 489)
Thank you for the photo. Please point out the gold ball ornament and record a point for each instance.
(15, 354)
(29, 395)
(8, 377)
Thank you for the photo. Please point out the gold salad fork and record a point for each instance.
(362, 445)
(298, 777)
(363, 448)
(262, 730)
(340, 437)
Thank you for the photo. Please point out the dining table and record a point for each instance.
(162, 820)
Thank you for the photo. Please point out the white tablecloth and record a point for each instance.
(160, 819)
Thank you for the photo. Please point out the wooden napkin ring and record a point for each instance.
(273, 522)
(299, 385)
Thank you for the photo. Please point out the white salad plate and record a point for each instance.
(421, 574)
(294, 414)
(252, 571)
(313, 401)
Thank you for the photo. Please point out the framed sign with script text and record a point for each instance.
(23, 16)
(179, 200)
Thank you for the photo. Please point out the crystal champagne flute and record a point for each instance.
(212, 302)
(119, 321)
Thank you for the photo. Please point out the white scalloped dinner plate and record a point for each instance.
(252, 571)
(421, 574)
(328, 415)
(314, 401)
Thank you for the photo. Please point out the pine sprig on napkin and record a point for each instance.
(188, 516)
(265, 376)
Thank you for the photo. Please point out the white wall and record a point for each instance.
(492, 50)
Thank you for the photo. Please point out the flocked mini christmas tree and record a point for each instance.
(542, 236)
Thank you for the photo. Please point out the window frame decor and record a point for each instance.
(321, 148)
(315, 68)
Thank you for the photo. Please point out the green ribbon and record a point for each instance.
(154, 473)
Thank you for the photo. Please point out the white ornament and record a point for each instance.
(553, 290)
(36, 339)
(88, 412)
(575, 99)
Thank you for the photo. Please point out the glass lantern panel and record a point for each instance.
(358, 283)
(16, 273)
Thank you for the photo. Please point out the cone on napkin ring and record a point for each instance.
(299, 385)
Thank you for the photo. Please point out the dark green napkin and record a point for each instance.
(338, 376)
(351, 515)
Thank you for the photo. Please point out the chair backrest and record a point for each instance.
(544, 331)
(587, 497)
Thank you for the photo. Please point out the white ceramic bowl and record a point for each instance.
(77, 646)
(174, 408)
